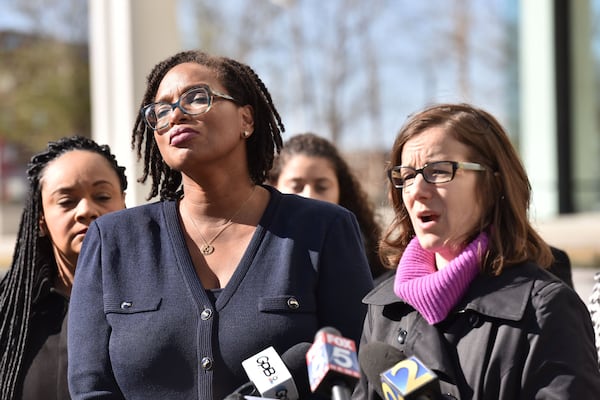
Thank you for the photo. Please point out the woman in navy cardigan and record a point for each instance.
(172, 296)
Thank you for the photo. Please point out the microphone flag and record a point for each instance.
(270, 376)
(331, 359)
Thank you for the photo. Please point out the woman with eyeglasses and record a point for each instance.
(172, 296)
(471, 299)
(72, 182)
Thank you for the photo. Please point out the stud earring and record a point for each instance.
(246, 134)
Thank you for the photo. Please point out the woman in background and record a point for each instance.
(71, 183)
(311, 166)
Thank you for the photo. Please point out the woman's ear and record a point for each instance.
(42, 225)
(247, 115)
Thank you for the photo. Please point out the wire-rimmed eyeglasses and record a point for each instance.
(195, 101)
(436, 172)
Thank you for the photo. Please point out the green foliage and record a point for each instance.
(44, 89)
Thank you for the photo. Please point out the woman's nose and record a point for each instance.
(307, 192)
(87, 209)
(420, 187)
(177, 116)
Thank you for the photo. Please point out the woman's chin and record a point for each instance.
(430, 242)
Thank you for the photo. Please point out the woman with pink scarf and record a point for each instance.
(471, 309)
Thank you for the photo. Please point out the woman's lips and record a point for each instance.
(81, 232)
(427, 219)
(180, 136)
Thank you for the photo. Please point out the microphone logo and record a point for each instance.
(270, 376)
(409, 376)
(267, 369)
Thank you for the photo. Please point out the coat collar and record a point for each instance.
(499, 297)
(504, 296)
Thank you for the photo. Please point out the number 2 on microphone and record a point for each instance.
(405, 377)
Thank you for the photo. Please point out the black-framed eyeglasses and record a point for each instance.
(436, 172)
(195, 101)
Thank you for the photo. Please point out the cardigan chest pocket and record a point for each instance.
(132, 306)
(287, 304)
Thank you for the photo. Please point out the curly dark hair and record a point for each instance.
(245, 86)
(352, 195)
(33, 260)
(505, 192)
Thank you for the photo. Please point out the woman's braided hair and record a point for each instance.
(243, 84)
(33, 260)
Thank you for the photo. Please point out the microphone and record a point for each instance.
(376, 357)
(408, 379)
(270, 377)
(332, 364)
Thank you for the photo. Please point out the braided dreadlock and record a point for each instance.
(33, 260)
(352, 196)
(245, 86)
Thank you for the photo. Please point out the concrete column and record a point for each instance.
(127, 38)
(538, 110)
(586, 141)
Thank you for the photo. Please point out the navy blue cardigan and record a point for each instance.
(141, 326)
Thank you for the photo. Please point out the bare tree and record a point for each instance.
(460, 39)
(44, 75)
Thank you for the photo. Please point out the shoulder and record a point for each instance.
(130, 223)
(135, 214)
(297, 203)
(518, 290)
(292, 208)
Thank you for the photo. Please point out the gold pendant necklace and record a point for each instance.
(207, 248)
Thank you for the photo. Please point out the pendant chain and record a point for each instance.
(207, 248)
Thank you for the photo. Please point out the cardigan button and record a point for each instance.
(206, 314)
(126, 305)
(206, 363)
(293, 303)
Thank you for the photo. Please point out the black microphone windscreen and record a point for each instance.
(377, 357)
(295, 359)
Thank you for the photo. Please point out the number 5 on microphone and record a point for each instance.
(343, 358)
(408, 376)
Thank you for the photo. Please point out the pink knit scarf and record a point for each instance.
(431, 292)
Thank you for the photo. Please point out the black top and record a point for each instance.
(44, 371)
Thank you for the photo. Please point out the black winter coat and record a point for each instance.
(521, 335)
